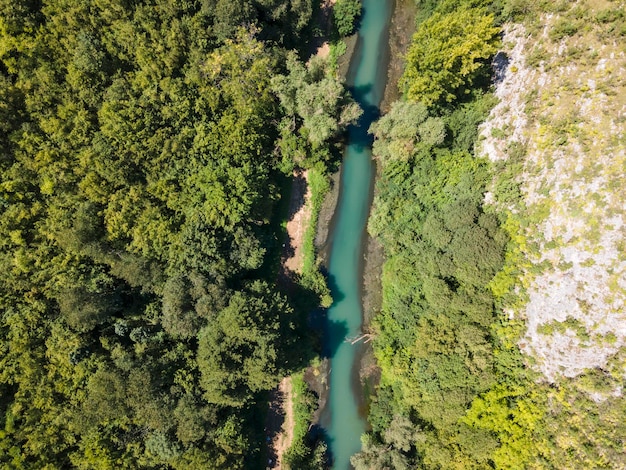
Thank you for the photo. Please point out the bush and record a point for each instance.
(345, 15)
(564, 28)
(447, 54)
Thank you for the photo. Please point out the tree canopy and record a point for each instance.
(140, 322)
(433, 335)
(448, 52)
(315, 102)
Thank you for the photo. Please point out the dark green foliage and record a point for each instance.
(230, 15)
(434, 334)
(188, 302)
(83, 309)
(138, 179)
(237, 352)
(434, 339)
(463, 121)
(280, 20)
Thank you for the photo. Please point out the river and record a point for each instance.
(343, 418)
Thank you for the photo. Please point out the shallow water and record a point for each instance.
(368, 72)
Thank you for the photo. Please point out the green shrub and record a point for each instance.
(303, 454)
(312, 278)
(337, 49)
(563, 28)
(536, 56)
(345, 15)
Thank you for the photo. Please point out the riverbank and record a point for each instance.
(400, 34)
(401, 30)
(279, 425)
(286, 430)
(297, 224)
(343, 419)
(317, 377)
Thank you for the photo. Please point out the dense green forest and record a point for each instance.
(144, 150)
(433, 337)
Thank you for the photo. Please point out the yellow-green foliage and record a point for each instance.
(514, 418)
(447, 52)
(515, 263)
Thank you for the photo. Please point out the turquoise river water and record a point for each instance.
(344, 421)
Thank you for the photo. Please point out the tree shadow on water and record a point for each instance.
(335, 291)
(318, 434)
(333, 332)
(358, 135)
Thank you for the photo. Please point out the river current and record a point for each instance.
(344, 421)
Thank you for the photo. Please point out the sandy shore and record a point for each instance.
(297, 223)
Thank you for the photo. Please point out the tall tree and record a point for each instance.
(447, 53)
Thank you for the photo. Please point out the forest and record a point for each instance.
(144, 153)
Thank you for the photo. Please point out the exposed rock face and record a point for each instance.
(563, 101)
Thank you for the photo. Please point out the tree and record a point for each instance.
(230, 15)
(447, 53)
(179, 318)
(405, 129)
(238, 351)
(401, 433)
(319, 100)
(138, 176)
(376, 456)
(83, 309)
(345, 15)
(105, 400)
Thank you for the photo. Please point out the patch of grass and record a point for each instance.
(538, 55)
(304, 403)
(608, 338)
(595, 381)
(585, 307)
(498, 133)
(588, 263)
(570, 323)
(312, 278)
(303, 454)
(337, 49)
